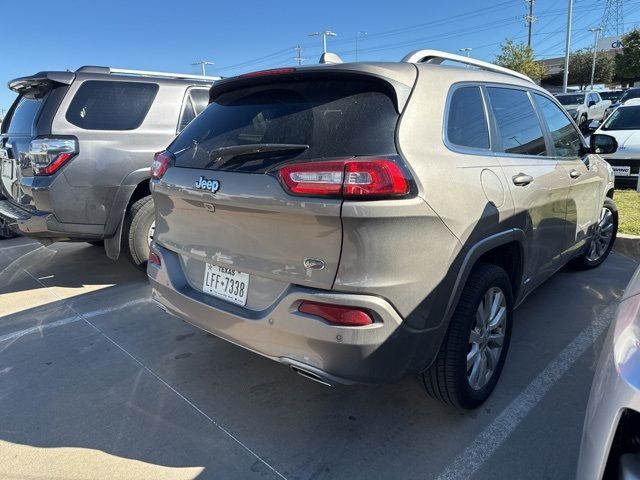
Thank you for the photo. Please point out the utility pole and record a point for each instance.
(466, 49)
(567, 46)
(204, 63)
(324, 36)
(298, 57)
(529, 19)
(358, 35)
(595, 48)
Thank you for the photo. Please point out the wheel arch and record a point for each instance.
(506, 250)
(134, 187)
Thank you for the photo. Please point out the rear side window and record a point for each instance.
(195, 102)
(566, 138)
(517, 122)
(24, 116)
(466, 122)
(335, 118)
(108, 105)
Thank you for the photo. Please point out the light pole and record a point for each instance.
(466, 49)
(595, 48)
(565, 79)
(204, 63)
(324, 35)
(358, 35)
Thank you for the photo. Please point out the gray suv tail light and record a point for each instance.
(48, 155)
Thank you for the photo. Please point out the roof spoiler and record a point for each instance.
(40, 81)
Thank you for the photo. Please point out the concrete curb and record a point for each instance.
(628, 245)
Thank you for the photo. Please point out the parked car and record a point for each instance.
(584, 107)
(629, 94)
(624, 125)
(611, 95)
(360, 222)
(611, 437)
(75, 150)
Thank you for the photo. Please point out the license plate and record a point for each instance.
(621, 171)
(226, 283)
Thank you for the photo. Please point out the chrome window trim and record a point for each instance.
(454, 147)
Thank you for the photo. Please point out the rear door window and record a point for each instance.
(24, 116)
(335, 118)
(517, 122)
(109, 105)
(195, 102)
(466, 122)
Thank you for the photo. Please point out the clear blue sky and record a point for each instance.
(246, 35)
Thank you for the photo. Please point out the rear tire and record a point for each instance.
(597, 251)
(583, 124)
(469, 347)
(137, 226)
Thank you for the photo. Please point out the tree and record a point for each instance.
(628, 62)
(519, 57)
(580, 64)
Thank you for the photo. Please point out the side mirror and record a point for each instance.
(592, 103)
(595, 124)
(603, 144)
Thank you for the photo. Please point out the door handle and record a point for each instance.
(574, 174)
(522, 179)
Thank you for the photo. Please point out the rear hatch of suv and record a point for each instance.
(251, 202)
(38, 95)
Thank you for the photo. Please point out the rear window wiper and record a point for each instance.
(232, 151)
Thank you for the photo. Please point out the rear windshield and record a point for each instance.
(24, 116)
(570, 99)
(107, 105)
(335, 118)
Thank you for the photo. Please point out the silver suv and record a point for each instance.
(360, 222)
(75, 149)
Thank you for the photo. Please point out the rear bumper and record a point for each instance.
(45, 225)
(380, 353)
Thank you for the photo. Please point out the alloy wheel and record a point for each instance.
(486, 338)
(602, 235)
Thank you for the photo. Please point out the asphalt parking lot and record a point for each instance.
(97, 382)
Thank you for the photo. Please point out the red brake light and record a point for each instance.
(154, 257)
(56, 164)
(272, 71)
(355, 179)
(337, 314)
(161, 162)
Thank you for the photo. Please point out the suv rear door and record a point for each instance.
(539, 185)
(243, 217)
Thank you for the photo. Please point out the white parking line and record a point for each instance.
(71, 319)
(85, 317)
(494, 435)
(11, 247)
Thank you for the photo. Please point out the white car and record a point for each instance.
(584, 107)
(624, 125)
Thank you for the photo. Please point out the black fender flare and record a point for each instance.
(115, 220)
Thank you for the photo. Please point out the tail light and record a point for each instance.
(48, 155)
(154, 257)
(264, 73)
(354, 179)
(337, 314)
(161, 162)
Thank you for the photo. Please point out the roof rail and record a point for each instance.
(437, 57)
(146, 73)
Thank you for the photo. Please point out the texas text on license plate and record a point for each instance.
(226, 283)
